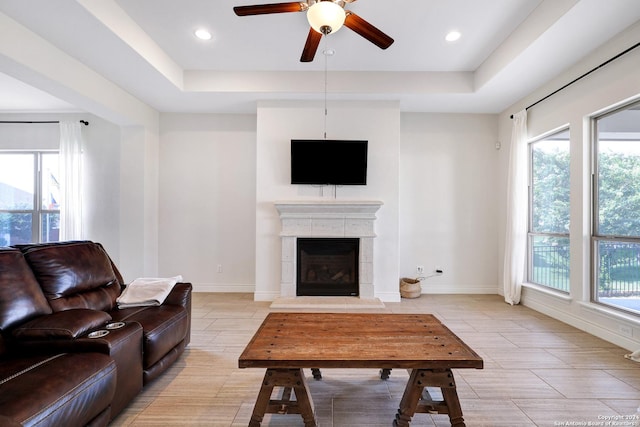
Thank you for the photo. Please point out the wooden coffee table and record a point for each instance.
(286, 343)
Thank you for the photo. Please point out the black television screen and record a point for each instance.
(328, 161)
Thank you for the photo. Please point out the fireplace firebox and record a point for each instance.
(327, 267)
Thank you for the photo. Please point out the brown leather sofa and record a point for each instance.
(68, 355)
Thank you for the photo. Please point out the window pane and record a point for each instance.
(618, 277)
(617, 210)
(550, 184)
(15, 228)
(50, 227)
(549, 212)
(16, 181)
(619, 188)
(50, 182)
(550, 262)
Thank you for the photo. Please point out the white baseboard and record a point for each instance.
(384, 296)
(458, 289)
(388, 296)
(223, 287)
(560, 311)
(265, 296)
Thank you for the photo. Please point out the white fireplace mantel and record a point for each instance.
(353, 208)
(327, 218)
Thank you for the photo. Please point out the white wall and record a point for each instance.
(102, 184)
(448, 201)
(139, 202)
(435, 173)
(617, 82)
(207, 200)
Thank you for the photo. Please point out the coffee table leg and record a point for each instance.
(289, 379)
(263, 400)
(305, 403)
(411, 399)
(317, 375)
(453, 404)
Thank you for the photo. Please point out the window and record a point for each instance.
(29, 196)
(548, 237)
(616, 216)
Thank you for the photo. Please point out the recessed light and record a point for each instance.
(203, 34)
(453, 36)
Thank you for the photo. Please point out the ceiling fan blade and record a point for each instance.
(311, 46)
(367, 30)
(262, 9)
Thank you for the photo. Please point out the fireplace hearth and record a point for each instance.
(327, 267)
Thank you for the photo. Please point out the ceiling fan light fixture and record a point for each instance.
(326, 16)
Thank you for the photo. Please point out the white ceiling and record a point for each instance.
(508, 48)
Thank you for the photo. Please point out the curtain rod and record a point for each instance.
(584, 75)
(84, 122)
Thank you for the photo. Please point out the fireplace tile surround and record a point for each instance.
(327, 218)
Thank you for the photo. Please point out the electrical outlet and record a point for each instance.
(420, 269)
(625, 330)
(219, 268)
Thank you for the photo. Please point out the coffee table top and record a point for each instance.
(356, 340)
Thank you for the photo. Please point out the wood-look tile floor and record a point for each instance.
(538, 372)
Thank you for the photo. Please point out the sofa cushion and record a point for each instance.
(21, 298)
(68, 389)
(163, 327)
(66, 324)
(75, 274)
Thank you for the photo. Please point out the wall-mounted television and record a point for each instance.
(328, 162)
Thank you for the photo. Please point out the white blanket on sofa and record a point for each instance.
(147, 291)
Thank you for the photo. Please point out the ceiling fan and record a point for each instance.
(324, 16)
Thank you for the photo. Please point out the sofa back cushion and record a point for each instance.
(21, 298)
(74, 275)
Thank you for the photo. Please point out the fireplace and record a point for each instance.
(327, 267)
(328, 219)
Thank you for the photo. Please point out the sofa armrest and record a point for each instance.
(68, 324)
(180, 295)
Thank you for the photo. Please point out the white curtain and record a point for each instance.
(515, 248)
(70, 180)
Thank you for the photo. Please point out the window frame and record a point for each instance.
(531, 234)
(596, 237)
(38, 211)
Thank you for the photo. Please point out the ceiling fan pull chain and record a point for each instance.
(325, 86)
